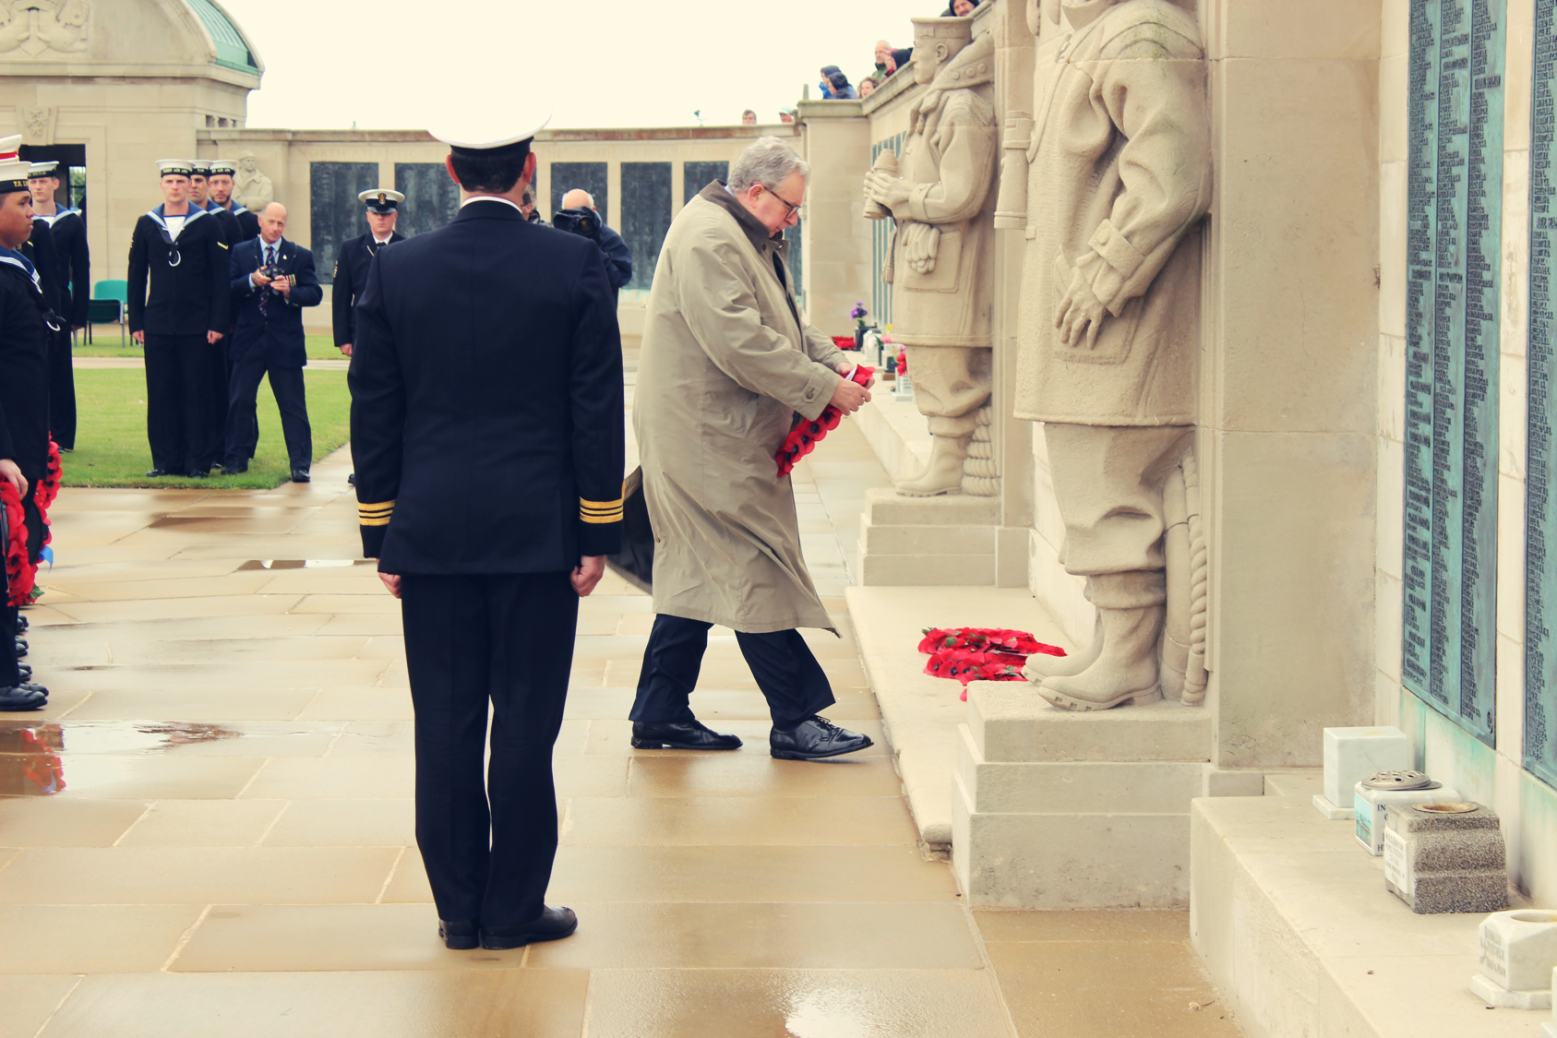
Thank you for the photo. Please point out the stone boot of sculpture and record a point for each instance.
(1041, 665)
(1124, 669)
(943, 475)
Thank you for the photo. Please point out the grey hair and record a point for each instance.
(766, 161)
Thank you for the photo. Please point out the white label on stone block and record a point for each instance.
(1494, 956)
(1394, 859)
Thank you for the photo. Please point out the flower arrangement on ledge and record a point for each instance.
(980, 653)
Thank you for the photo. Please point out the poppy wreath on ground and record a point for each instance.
(20, 571)
(803, 438)
(967, 654)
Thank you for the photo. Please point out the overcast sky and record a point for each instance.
(396, 64)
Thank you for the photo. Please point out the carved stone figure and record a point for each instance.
(1119, 178)
(252, 189)
(37, 125)
(33, 27)
(939, 263)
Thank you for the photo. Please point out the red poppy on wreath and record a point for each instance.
(20, 572)
(845, 342)
(902, 362)
(980, 653)
(803, 438)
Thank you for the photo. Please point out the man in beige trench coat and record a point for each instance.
(727, 363)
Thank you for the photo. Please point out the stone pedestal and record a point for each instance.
(1059, 810)
(1446, 857)
(947, 540)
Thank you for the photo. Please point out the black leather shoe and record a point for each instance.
(22, 623)
(154, 473)
(459, 936)
(198, 473)
(351, 480)
(28, 686)
(234, 470)
(21, 647)
(815, 738)
(26, 671)
(300, 476)
(552, 925)
(21, 699)
(680, 735)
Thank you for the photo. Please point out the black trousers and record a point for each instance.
(218, 378)
(62, 391)
(242, 421)
(508, 639)
(178, 402)
(790, 678)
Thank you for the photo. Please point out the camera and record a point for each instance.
(273, 272)
(583, 221)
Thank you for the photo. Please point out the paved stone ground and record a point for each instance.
(232, 854)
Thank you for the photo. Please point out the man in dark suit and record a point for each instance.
(272, 280)
(24, 399)
(219, 186)
(486, 427)
(356, 255)
(178, 311)
(75, 291)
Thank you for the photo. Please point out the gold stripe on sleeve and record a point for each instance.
(375, 514)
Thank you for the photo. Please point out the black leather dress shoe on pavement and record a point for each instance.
(680, 735)
(22, 623)
(351, 480)
(300, 476)
(552, 925)
(21, 647)
(25, 669)
(21, 699)
(154, 473)
(459, 936)
(815, 738)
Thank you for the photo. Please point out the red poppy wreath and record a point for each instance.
(980, 653)
(803, 438)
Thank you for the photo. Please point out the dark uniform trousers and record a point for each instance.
(178, 402)
(242, 414)
(507, 639)
(781, 662)
(62, 390)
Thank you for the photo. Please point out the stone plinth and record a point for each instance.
(1351, 755)
(948, 540)
(1518, 954)
(1059, 810)
(1445, 857)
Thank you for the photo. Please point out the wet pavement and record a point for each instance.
(209, 830)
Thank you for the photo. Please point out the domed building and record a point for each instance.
(109, 88)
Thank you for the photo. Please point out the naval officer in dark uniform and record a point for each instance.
(74, 282)
(25, 323)
(179, 310)
(486, 427)
(356, 255)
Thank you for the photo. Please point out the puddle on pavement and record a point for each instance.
(305, 563)
(30, 762)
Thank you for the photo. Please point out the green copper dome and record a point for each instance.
(232, 50)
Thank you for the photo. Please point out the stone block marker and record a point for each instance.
(1518, 954)
(1445, 857)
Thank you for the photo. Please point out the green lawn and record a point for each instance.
(111, 448)
(105, 343)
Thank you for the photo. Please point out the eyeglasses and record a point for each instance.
(791, 210)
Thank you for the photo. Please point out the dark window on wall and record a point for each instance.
(696, 175)
(645, 216)
(432, 198)
(591, 176)
(796, 261)
(336, 215)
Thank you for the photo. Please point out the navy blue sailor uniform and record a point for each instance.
(487, 434)
(178, 289)
(24, 410)
(68, 227)
(352, 261)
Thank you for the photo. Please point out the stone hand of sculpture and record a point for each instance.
(892, 192)
(1079, 317)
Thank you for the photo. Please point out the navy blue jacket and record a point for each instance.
(619, 259)
(487, 403)
(280, 328)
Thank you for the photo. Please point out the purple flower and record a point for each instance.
(858, 311)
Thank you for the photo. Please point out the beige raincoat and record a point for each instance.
(727, 362)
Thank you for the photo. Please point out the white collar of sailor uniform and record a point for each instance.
(161, 220)
(21, 263)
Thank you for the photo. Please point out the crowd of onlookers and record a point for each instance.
(836, 86)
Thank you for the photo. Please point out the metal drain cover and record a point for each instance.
(1401, 780)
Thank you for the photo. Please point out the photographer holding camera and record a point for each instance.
(579, 216)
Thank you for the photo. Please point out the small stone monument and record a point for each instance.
(1518, 954)
(1351, 755)
(251, 188)
(1445, 856)
(1549, 1029)
(1375, 795)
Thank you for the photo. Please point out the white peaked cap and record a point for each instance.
(469, 131)
(14, 171)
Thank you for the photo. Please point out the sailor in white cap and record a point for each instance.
(354, 256)
(74, 282)
(179, 302)
(486, 427)
(219, 184)
(25, 323)
(199, 191)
